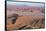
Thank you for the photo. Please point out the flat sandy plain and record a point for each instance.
(28, 17)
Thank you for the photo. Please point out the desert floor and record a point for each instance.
(23, 20)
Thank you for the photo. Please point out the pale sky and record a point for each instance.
(25, 3)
